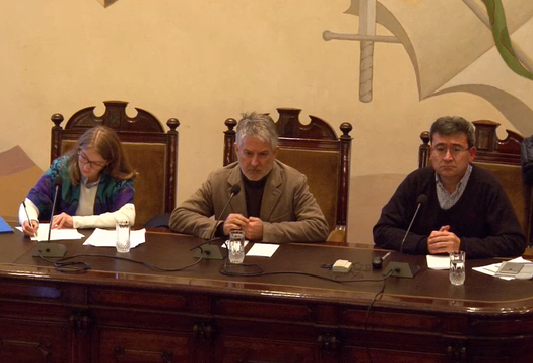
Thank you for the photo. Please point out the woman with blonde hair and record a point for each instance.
(95, 182)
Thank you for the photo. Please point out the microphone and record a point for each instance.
(57, 183)
(404, 269)
(212, 251)
(48, 249)
(235, 189)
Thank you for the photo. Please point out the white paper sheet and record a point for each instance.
(488, 269)
(493, 267)
(262, 249)
(438, 262)
(57, 234)
(108, 238)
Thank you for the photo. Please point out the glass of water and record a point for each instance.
(235, 246)
(123, 236)
(457, 267)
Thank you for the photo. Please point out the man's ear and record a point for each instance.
(472, 153)
(276, 149)
(235, 148)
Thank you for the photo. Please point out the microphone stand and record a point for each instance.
(404, 269)
(206, 249)
(51, 249)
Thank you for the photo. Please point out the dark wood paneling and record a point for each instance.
(120, 311)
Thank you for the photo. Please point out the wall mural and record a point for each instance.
(106, 3)
(446, 42)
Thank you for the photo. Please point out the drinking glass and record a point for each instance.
(123, 236)
(457, 267)
(236, 246)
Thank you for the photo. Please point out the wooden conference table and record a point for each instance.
(120, 311)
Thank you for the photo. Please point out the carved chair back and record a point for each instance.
(316, 151)
(502, 158)
(151, 151)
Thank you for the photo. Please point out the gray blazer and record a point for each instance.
(289, 211)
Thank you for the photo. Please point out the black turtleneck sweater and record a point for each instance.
(254, 195)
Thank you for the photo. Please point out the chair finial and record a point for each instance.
(57, 118)
(230, 123)
(173, 124)
(346, 127)
(424, 136)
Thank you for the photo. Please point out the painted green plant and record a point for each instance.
(500, 33)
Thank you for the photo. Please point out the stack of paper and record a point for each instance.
(56, 234)
(108, 238)
(438, 262)
(512, 272)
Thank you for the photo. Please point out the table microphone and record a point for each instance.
(210, 251)
(404, 269)
(49, 249)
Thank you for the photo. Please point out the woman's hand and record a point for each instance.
(30, 229)
(62, 220)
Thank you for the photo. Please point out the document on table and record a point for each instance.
(262, 249)
(493, 268)
(108, 238)
(56, 234)
(438, 262)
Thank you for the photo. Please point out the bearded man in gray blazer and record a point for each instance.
(274, 205)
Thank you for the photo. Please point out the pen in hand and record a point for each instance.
(27, 216)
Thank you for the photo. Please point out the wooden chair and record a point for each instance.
(502, 158)
(151, 151)
(316, 151)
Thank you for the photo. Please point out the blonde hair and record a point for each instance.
(105, 142)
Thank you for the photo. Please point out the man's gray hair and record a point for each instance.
(260, 125)
(453, 125)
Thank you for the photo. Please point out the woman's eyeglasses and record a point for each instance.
(92, 164)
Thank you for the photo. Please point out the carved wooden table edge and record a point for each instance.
(134, 280)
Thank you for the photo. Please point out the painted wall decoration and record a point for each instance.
(106, 3)
(452, 53)
(514, 58)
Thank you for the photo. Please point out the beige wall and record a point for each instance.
(203, 61)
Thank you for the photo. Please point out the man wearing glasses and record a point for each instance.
(466, 207)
